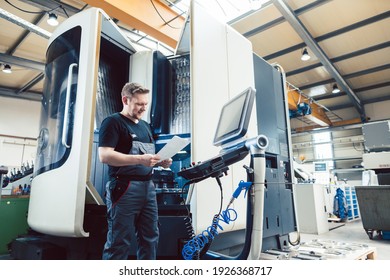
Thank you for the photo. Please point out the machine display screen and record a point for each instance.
(234, 118)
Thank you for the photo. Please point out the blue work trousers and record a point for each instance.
(133, 214)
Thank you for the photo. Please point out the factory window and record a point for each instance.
(323, 148)
(58, 101)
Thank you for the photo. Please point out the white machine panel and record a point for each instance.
(221, 67)
(378, 160)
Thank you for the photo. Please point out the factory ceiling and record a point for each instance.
(348, 42)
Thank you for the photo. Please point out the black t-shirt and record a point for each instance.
(119, 132)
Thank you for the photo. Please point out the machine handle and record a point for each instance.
(66, 113)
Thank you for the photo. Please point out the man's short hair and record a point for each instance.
(131, 88)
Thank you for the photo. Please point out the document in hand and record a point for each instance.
(173, 146)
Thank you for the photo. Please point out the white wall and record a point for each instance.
(19, 117)
(19, 127)
(378, 111)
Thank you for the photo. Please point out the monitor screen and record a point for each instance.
(234, 118)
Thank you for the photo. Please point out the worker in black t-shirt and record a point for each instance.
(127, 146)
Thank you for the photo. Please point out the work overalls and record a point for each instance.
(132, 208)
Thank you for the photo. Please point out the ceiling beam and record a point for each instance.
(22, 37)
(369, 101)
(277, 21)
(295, 22)
(331, 34)
(341, 58)
(27, 95)
(24, 23)
(58, 7)
(362, 89)
(22, 62)
(151, 17)
(348, 76)
(31, 83)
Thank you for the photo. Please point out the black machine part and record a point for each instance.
(214, 166)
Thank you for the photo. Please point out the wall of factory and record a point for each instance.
(19, 117)
(378, 111)
(19, 127)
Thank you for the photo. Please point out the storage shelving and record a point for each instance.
(352, 203)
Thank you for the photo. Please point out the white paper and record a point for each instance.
(173, 146)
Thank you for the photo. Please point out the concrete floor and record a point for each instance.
(352, 232)
(349, 232)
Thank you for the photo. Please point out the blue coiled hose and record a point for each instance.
(194, 246)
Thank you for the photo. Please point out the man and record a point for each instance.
(127, 146)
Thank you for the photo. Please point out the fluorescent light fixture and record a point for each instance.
(52, 20)
(7, 69)
(335, 89)
(305, 55)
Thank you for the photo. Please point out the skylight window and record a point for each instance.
(323, 148)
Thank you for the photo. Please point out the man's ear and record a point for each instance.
(125, 100)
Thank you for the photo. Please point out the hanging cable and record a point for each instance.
(167, 23)
(52, 16)
(32, 12)
(22, 10)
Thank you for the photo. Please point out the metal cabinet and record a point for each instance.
(13, 219)
(310, 208)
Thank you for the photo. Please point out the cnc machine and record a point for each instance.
(89, 59)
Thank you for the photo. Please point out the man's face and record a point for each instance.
(136, 105)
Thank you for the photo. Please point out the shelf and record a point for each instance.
(352, 204)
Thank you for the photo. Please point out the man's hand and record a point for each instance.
(149, 160)
(166, 163)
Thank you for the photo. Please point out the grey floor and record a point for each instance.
(349, 232)
(352, 232)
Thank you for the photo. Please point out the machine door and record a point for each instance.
(59, 98)
(61, 186)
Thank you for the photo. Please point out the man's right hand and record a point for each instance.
(149, 159)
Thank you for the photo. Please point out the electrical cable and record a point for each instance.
(187, 219)
(167, 23)
(62, 8)
(31, 12)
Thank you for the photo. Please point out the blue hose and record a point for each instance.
(194, 246)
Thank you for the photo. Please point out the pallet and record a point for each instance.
(323, 250)
(340, 250)
(370, 254)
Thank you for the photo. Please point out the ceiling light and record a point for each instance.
(305, 55)
(7, 69)
(52, 20)
(335, 89)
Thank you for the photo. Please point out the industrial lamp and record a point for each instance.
(305, 55)
(335, 89)
(7, 69)
(52, 20)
